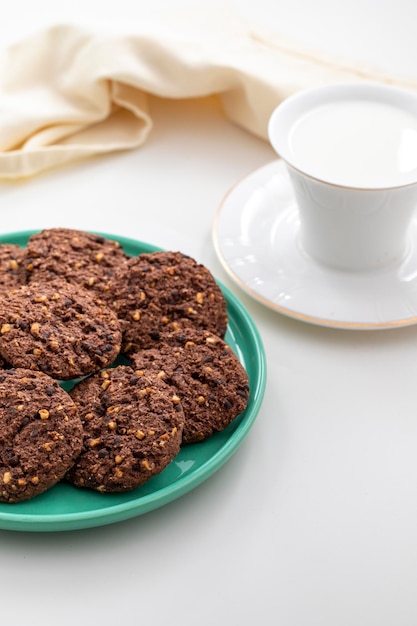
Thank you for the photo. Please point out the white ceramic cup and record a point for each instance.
(354, 216)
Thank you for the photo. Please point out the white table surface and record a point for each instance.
(313, 521)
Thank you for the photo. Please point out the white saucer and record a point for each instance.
(255, 234)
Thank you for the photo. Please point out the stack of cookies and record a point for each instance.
(142, 339)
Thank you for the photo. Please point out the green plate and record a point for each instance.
(66, 508)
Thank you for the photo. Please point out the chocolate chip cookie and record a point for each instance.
(163, 291)
(132, 429)
(57, 328)
(207, 376)
(40, 434)
(80, 257)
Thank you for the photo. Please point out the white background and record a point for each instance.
(313, 522)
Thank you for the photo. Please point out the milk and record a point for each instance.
(357, 143)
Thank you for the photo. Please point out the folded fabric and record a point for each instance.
(69, 93)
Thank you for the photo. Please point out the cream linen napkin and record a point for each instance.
(69, 93)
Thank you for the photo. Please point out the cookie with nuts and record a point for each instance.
(57, 328)
(80, 257)
(132, 429)
(11, 257)
(207, 375)
(40, 434)
(160, 292)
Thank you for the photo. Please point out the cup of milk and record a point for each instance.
(351, 153)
